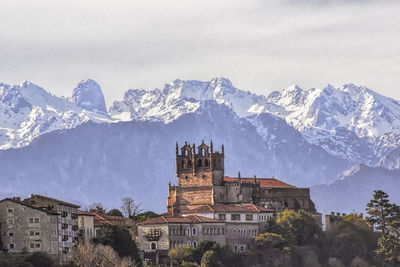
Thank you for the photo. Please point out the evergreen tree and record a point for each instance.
(379, 210)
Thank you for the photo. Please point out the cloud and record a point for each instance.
(259, 45)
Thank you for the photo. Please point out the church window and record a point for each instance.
(199, 163)
(206, 163)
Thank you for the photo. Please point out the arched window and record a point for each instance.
(186, 152)
(206, 163)
(189, 164)
(194, 231)
(153, 246)
(199, 163)
(194, 244)
(234, 231)
(188, 231)
(202, 152)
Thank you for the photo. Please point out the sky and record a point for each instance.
(259, 45)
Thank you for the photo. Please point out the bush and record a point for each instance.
(39, 259)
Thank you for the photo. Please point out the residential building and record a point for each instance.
(67, 219)
(26, 228)
(86, 225)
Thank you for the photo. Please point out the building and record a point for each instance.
(201, 181)
(243, 222)
(86, 225)
(158, 235)
(241, 206)
(332, 220)
(26, 228)
(67, 219)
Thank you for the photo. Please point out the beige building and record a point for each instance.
(158, 235)
(67, 219)
(243, 222)
(26, 228)
(86, 225)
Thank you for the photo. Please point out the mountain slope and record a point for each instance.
(88, 95)
(355, 188)
(103, 162)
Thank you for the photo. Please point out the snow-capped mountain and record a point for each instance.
(351, 122)
(104, 162)
(181, 97)
(391, 160)
(27, 111)
(88, 95)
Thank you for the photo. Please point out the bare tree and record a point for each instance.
(89, 255)
(96, 207)
(129, 207)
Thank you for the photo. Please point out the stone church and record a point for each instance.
(206, 205)
(202, 181)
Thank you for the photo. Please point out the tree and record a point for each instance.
(211, 259)
(96, 207)
(89, 255)
(379, 210)
(298, 228)
(129, 207)
(145, 215)
(115, 212)
(177, 254)
(270, 241)
(120, 240)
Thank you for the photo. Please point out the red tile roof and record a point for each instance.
(264, 182)
(102, 219)
(167, 218)
(228, 208)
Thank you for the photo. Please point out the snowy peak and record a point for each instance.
(180, 97)
(88, 95)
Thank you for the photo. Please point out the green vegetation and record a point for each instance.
(119, 239)
(115, 212)
(35, 259)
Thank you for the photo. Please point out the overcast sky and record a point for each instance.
(259, 45)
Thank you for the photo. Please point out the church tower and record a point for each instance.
(200, 173)
(199, 167)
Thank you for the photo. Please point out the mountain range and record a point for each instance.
(74, 148)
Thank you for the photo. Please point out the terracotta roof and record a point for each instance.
(228, 208)
(102, 219)
(80, 212)
(167, 218)
(264, 182)
(51, 212)
(60, 202)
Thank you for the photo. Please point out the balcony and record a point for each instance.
(74, 216)
(64, 214)
(64, 226)
(64, 238)
(74, 227)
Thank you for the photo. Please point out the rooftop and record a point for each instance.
(168, 218)
(228, 208)
(264, 182)
(48, 211)
(59, 202)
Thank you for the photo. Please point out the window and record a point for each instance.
(222, 217)
(236, 248)
(249, 217)
(206, 163)
(234, 231)
(194, 231)
(10, 233)
(31, 245)
(242, 248)
(10, 221)
(37, 233)
(10, 210)
(189, 244)
(36, 220)
(31, 233)
(235, 217)
(194, 244)
(199, 164)
(30, 220)
(37, 245)
(188, 231)
(153, 245)
(11, 246)
(64, 214)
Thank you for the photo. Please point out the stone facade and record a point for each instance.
(67, 219)
(27, 228)
(86, 225)
(332, 220)
(201, 181)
